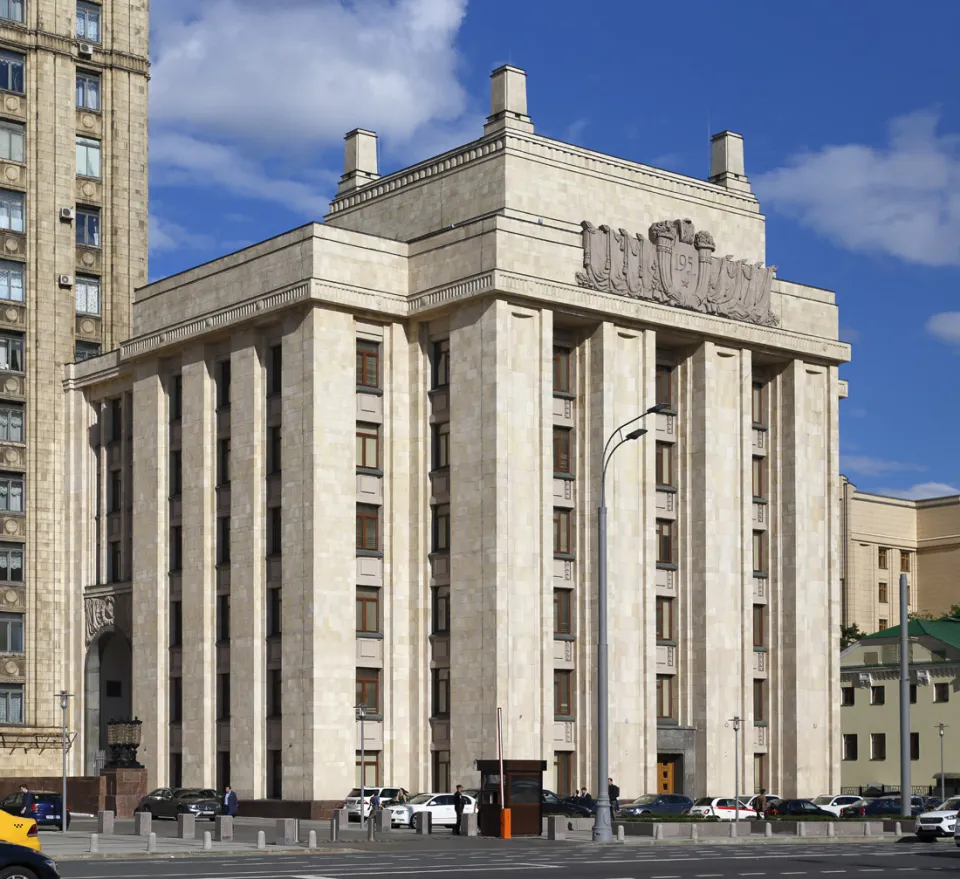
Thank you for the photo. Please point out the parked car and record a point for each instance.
(802, 808)
(440, 806)
(551, 804)
(589, 804)
(724, 808)
(931, 803)
(19, 830)
(939, 822)
(836, 804)
(165, 802)
(658, 804)
(388, 796)
(18, 862)
(882, 807)
(771, 799)
(46, 808)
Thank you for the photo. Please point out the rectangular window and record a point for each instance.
(88, 295)
(562, 441)
(759, 404)
(11, 140)
(441, 446)
(223, 461)
(759, 552)
(223, 696)
(882, 558)
(11, 353)
(562, 531)
(11, 493)
(275, 370)
(274, 692)
(274, 450)
(11, 423)
(275, 531)
(88, 22)
(368, 689)
(882, 593)
(562, 371)
(176, 700)
(441, 770)
(368, 772)
(665, 543)
(274, 612)
(11, 281)
(223, 540)
(176, 397)
(275, 775)
(223, 619)
(878, 746)
(941, 692)
(11, 563)
(176, 548)
(562, 612)
(878, 695)
(368, 365)
(176, 769)
(176, 623)
(85, 351)
(759, 699)
(11, 210)
(368, 528)
(759, 772)
(223, 383)
(176, 473)
(115, 492)
(12, 10)
(563, 763)
(88, 91)
(913, 694)
(440, 706)
(563, 694)
(664, 382)
(88, 157)
(223, 769)
(881, 624)
(850, 746)
(11, 703)
(11, 633)
(88, 227)
(665, 700)
(847, 696)
(759, 479)
(116, 420)
(11, 72)
(441, 611)
(665, 465)
(441, 528)
(914, 746)
(440, 363)
(759, 625)
(368, 611)
(904, 562)
(665, 631)
(368, 447)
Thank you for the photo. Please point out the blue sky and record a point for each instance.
(849, 112)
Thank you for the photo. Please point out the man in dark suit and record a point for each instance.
(230, 803)
(458, 803)
(27, 800)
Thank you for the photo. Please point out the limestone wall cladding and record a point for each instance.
(937, 575)
(319, 569)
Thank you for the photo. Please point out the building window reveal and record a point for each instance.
(368, 689)
(878, 746)
(941, 692)
(665, 630)
(88, 227)
(665, 465)
(88, 157)
(904, 562)
(759, 553)
(176, 548)
(562, 612)
(223, 540)
(759, 625)
(12, 10)
(441, 770)
(368, 447)
(759, 479)
(88, 91)
(665, 543)
(223, 462)
(11, 423)
(369, 770)
(11, 563)
(441, 528)
(223, 383)
(562, 371)
(562, 531)
(275, 692)
(881, 625)
(441, 370)
(759, 404)
(11, 210)
(88, 22)
(275, 370)
(223, 619)
(11, 140)
(11, 353)
(441, 692)
(563, 694)
(11, 493)
(914, 746)
(11, 633)
(441, 610)
(274, 450)
(664, 385)
(223, 696)
(847, 696)
(878, 695)
(88, 295)
(11, 703)
(850, 746)
(562, 460)
(368, 611)
(563, 762)
(759, 700)
(11, 281)
(176, 623)
(441, 446)
(882, 558)
(11, 71)
(882, 593)
(368, 365)
(275, 531)
(274, 613)
(665, 700)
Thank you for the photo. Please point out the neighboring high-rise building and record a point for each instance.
(367, 469)
(73, 246)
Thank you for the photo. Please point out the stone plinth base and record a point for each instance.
(125, 789)
(305, 810)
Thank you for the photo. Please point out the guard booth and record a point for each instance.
(522, 791)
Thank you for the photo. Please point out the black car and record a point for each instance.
(551, 804)
(657, 804)
(166, 803)
(802, 808)
(17, 862)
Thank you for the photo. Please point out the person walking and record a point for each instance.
(376, 801)
(458, 803)
(614, 793)
(761, 804)
(27, 807)
(230, 803)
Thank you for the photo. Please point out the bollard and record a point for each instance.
(186, 826)
(342, 817)
(556, 828)
(621, 833)
(371, 830)
(471, 823)
(383, 820)
(767, 829)
(142, 823)
(94, 843)
(694, 832)
(105, 823)
(657, 831)
(733, 829)
(286, 833)
(866, 828)
(334, 830)
(896, 828)
(223, 828)
(801, 828)
(424, 822)
(831, 830)
(207, 841)
(261, 840)
(312, 839)
(152, 842)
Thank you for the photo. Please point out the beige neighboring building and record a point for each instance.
(434, 372)
(73, 233)
(886, 536)
(870, 706)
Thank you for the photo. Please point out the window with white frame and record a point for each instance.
(11, 210)
(11, 72)
(11, 423)
(88, 22)
(11, 353)
(11, 493)
(11, 563)
(11, 633)
(11, 141)
(88, 91)
(11, 280)
(88, 157)
(11, 703)
(11, 10)
(88, 294)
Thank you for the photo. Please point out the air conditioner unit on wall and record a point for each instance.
(86, 49)
(68, 214)
(864, 680)
(923, 678)
(65, 280)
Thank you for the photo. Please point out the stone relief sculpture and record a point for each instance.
(676, 266)
(99, 614)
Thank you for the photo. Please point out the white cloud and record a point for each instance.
(945, 326)
(867, 466)
(922, 491)
(167, 235)
(902, 200)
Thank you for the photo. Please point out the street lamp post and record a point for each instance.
(735, 720)
(603, 819)
(362, 714)
(943, 796)
(64, 702)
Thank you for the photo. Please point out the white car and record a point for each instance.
(388, 796)
(772, 800)
(440, 806)
(942, 821)
(724, 808)
(836, 804)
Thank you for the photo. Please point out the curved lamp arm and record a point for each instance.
(651, 411)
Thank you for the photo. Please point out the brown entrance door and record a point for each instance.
(666, 774)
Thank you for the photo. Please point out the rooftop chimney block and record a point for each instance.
(726, 161)
(359, 160)
(508, 101)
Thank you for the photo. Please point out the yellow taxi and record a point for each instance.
(19, 830)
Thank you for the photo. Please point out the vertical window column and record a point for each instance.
(273, 548)
(761, 495)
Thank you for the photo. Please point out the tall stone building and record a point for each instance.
(73, 230)
(434, 372)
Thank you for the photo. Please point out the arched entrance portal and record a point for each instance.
(107, 685)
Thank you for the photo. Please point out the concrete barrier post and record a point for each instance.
(801, 828)
(334, 829)
(556, 828)
(105, 823)
(142, 823)
(733, 829)
(471, 825)
(657, 831)
(371, 830)
(424, 822)
(896, 829)
(384, 821)
(94, 843)
(286, 832)
(831, 829)
(207, 841)
(342, 818)
(767, 829)
(223, 828)
(866, 828)
(694, 832)
(621, 833)
(261, 840)
(186, 826)
(151, 842)
(312, 840)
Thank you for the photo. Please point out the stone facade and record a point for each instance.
(464, 452)
(73, 179)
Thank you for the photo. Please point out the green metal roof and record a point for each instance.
(946, 629)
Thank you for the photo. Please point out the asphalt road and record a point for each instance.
(522, 858)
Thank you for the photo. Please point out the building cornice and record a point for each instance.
(26, 39)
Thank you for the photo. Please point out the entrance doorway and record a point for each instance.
(106, 694)
(669, 773)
